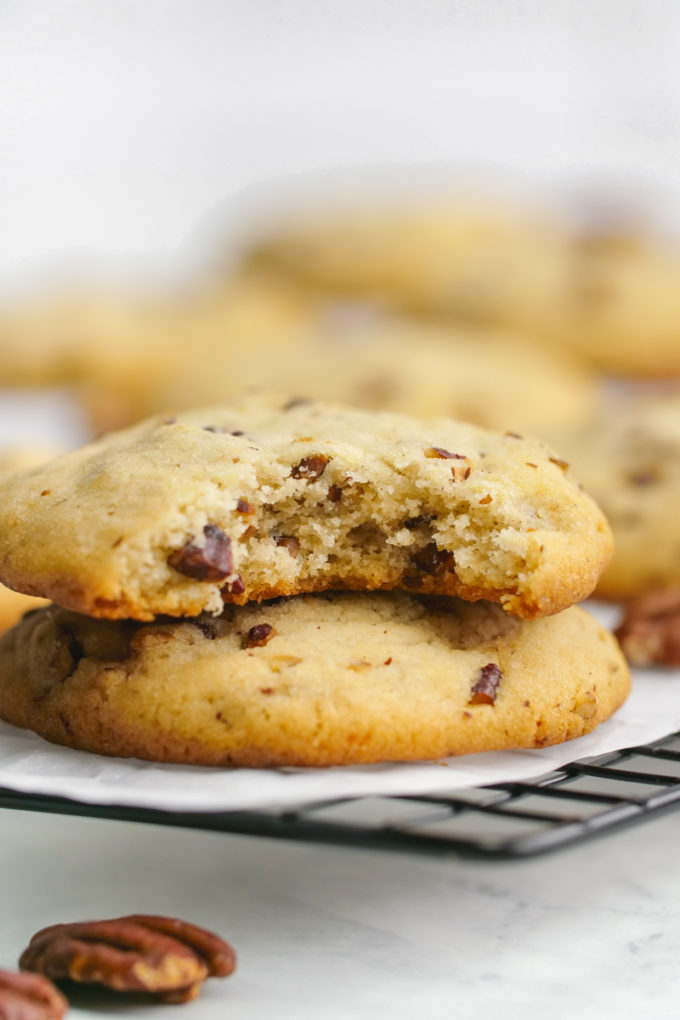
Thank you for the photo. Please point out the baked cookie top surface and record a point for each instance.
(325, 679)
(271, 496)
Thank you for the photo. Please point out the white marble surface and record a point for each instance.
(323, 932)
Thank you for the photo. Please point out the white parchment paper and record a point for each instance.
(31, 765)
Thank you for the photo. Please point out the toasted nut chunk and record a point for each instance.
(211, 562)
(485, 686)
(168, 958)
(432, 560)
(290, 543)
(29, 997)
(235, 587)
(310, 468)
(259, 636)
(460, 472)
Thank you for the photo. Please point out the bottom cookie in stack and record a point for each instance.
(312, 680)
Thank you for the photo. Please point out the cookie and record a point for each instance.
(621, 307)
(629, 459)
(471, 259)
(121, 338)
(272, 496)
(330, 679)
(369, 358)
(605, 291)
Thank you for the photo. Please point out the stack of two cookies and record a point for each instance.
(284, 582)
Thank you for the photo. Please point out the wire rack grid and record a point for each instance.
(508, 821)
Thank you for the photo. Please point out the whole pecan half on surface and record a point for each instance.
(649, 633)
(29, 997)
(170, 959)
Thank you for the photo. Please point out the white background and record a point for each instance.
(133, 132)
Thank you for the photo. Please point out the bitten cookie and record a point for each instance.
(272, 496)
(327, 679)
(629, 459)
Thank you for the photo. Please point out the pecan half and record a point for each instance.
(168, 958)
(29, 997)
(311, 467)
(212, 561)
(650, 630)
(485, 686)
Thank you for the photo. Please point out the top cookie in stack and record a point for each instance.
(272, 496)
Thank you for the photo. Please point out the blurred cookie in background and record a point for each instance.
(56, 339)
(128, 337)
(628, 459)
(608, 290)
(466, 258)
(622, 307)
(360, 354)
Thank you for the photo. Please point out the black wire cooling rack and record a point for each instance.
(507, 821)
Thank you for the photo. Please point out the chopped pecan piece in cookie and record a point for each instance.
(432, 560)
(290, 543)
(311, 467)
(29, 997)
(212, 561)
(168, 958)
(259, 636)
(235, 587)
(485, 686)
(460, 471)
(649, 633)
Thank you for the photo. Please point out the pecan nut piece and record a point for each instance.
(485, 686)
(213, 561)
(649, 633)
(165, 957)
(29, 997)
(311, 467)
